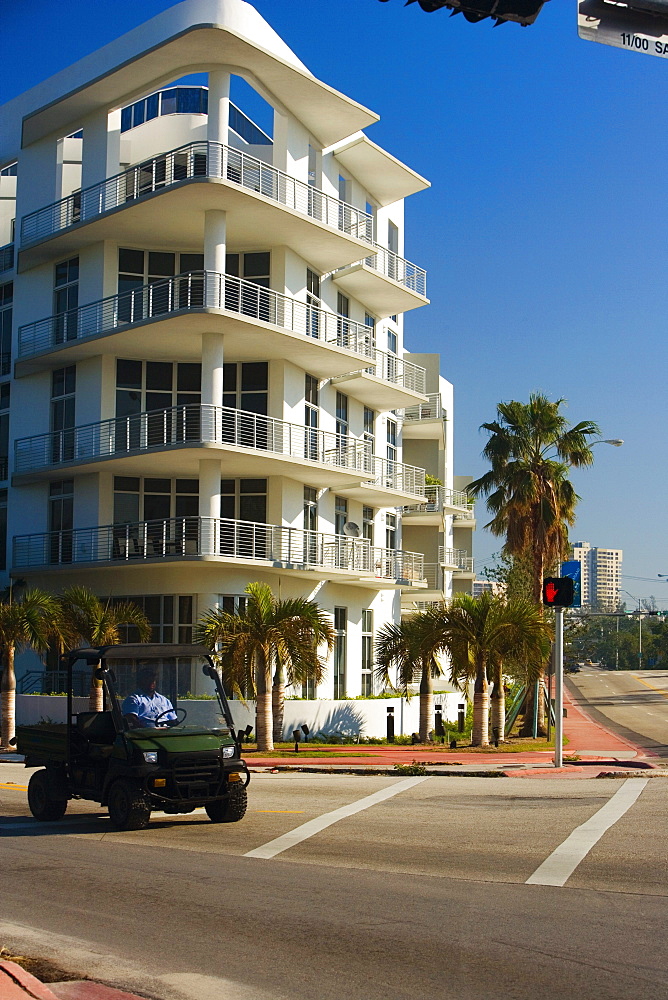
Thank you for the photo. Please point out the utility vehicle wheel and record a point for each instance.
(41, 806)
(231, 809)
(129, 809)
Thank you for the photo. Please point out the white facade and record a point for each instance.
(207, 373)
(601, 575)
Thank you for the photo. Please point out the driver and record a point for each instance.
(145, 705)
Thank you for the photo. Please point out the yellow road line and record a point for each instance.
(292, 811)
(647, 684)
(11, 785)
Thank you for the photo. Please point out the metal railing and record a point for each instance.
(392, 368)
(398, 476)
(439, 497)
(50, 681)
(455, 557)
(197, 160)
(431, 410)
(195, 291)
(247, 541)
(6, 257)
(434, 575)
(183, 426)
(398, 269)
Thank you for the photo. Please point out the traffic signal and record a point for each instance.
(522, 11)
(558, 591)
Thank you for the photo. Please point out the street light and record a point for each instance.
(639, 613)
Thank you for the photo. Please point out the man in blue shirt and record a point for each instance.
(144, 706)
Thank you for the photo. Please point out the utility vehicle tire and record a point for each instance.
(129, 809)
(41, 806)
(231, 809)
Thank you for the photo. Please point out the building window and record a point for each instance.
(392, 342)
(3, 529)
(392, 239)
(391, 444)
(4, 429)
(342, 325)
(342, 424)
(63, 388)
(6, 302)
(66, 300)
(61, 520)
(154, 387)
(155, 517)
(371, 210)
(311, 417)
(313, 304)
(170, 617)
(246, 386)
(390, 531)
(367, 652)
(340, 514)
(340, 643)
(369, 434)
(370, 324)
(244, 500)
(176, 101)
(367, 523)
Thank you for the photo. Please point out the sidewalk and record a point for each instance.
(17, 984)
(598, 749)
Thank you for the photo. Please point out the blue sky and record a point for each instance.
(544, 233)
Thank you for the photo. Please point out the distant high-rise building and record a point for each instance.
(601, 574)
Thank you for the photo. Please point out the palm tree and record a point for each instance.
(411, 647)
(267, 635)
(480, 634)
(531, 449)
(24, 624)
(83, 619)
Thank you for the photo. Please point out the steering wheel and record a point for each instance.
(173, 722)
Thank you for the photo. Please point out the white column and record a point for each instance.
(209, 503)
(219, 106)
(215, 240)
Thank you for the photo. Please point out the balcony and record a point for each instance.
(438, 502)
(393, 383)
(6, 257)
(258, 323)
(220, 540)
(425, 420)
(189, 180)
(154, 443)
(455, 560)
(384, 282)
(392, 482)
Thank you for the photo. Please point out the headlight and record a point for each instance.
(228, 751)
(151, 756)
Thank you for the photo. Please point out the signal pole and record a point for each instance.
(558, 687)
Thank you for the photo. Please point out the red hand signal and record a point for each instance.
(551, 592)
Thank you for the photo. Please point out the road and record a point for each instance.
(631, 703)
(368, 888)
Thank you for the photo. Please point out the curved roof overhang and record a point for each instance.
(194, 36)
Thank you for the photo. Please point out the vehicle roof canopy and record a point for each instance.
(139, 651)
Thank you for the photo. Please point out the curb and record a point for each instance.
(17, 984)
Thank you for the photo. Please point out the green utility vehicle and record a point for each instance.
(175, 761)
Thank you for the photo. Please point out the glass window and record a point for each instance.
(340, 643)
(367, 523)
(342, 425)
(6, 300)
(340, 514)
(367, 652)
(3, 529)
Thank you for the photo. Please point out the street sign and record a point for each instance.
(637, 25)
(573, 569)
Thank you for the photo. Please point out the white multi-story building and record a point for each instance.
(601, 575)
(204, 380)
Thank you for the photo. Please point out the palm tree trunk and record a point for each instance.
(498, 705)
(263, 727)
(95, 695)
(278, 703)
(426, 704)
(527, 721)
(480, 734)
(8, 700)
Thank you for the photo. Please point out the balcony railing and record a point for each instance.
(393, 266)
(455, 557)
(435, 576)
(437, 498)
(184, 426)
(392, 368)
(431, 410)
(6, 257)
(196, 160)
(247, 541)
(195, 292)
(398, 476)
